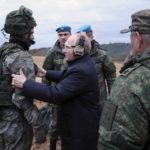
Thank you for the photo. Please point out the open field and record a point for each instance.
(45, 146)
(39, 61)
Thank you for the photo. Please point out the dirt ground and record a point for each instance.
(45, 146)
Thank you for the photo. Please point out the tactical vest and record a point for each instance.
(6, 89)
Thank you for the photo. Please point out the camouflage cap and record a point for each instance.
(19, 21)
(140, 22)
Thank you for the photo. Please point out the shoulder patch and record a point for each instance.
(108, 115)
(129, 70)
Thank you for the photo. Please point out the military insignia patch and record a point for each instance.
(129, 70)
(108, 114)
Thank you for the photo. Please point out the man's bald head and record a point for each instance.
(74, 40)
(77, 45)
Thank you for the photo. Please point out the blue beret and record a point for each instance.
(84, 28)
(64, 28)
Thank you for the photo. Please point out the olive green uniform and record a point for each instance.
(54, 61)
(17, 112)
(125, 120)
(105, 68)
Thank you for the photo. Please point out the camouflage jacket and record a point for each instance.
(125, 121)
(106, 70)
(54, 59)
(15, 59)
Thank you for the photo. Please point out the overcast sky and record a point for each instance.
(107, 17)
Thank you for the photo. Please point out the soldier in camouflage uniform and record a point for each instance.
(125, 121)
(54, 61)
(17, 113)
(105, 68)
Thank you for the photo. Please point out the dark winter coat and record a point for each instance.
(78, 88)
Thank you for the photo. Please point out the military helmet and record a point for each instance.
(19, 21)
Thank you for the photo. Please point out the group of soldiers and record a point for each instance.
(124, 122)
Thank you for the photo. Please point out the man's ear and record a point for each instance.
(140, 39)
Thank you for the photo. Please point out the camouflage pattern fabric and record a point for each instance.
(13, 62)
(105, 69)
(140, 22)
(129, 128)
(19, 22)
(15, 120)
(15, 131)
(54, 61)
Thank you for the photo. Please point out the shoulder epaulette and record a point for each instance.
(130, 69)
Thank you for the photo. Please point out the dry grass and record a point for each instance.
(38, 60)
(45, 146)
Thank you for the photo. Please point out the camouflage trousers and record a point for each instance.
(49, 123)
(15, 132)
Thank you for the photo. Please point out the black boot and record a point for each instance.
(53, 143)
(40, 135)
